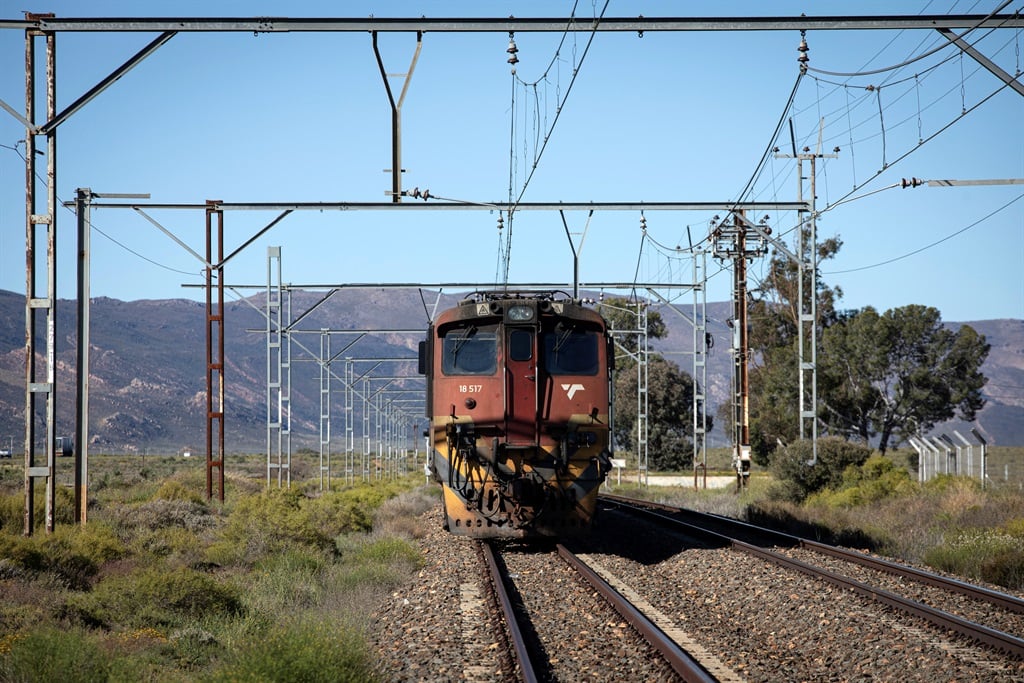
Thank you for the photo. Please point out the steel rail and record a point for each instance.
(501, 596)
(1008, 602)
(1011, 603)
(1005, 642)
(679, 659)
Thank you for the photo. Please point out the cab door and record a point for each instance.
(521, 386)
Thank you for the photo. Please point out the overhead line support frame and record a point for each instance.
(47, 26)
(504, 25)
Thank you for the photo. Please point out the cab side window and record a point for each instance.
(469, 352)
(571, 352)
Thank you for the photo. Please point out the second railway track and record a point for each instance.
(757, 621)
(883, 608)
(986, 616)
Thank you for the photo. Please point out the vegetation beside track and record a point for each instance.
(277, 584)
(162, 585)
(950, 523)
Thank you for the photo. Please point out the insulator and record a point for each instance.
(803, 58)
(501, 222)
(512, 50)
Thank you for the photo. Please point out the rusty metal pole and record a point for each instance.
(214, 351)
(34, 303)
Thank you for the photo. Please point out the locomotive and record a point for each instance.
(518, 397)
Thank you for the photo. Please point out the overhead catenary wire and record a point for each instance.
(547, 136)
(849, 195)
(96, 229)
(871, 89)
(912, 60)
(920, 140)
(933, 244)
(917, 78)
(883, 107)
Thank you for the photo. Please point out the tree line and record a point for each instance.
(881, 377)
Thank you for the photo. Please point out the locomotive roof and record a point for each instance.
(505, 295)
(467, 307)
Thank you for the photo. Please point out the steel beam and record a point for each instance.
(966, 48)
(449, 205)
(637, 25)
(106, 82)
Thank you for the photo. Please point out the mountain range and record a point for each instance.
(147, 366)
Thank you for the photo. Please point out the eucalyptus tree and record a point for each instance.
(888, 375)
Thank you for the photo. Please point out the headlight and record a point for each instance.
(520, 314)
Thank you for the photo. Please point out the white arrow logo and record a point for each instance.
(571, 389)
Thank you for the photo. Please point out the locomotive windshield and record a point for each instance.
(469, 352)
(571, 351)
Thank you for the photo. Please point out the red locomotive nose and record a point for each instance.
(471, 403)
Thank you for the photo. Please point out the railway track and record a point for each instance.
(739, 616)
(533, 661)
(927, 597)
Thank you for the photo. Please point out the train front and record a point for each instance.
(518, 396)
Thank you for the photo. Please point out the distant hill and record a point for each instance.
(148, 388)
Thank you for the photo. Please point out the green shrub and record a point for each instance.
(276, 520)
(370, 561)
(987, 554)
(12, 509)
(175, 544)
(12, 513)
(789, 465)
(288, 581)
(388, 550)
(163, 513)
(877, 479)
(73, 554)
(50, 653)
(22, 552)
(175, 489)
(272, 521)
(155, 597)
(193, 646)
(309, 651)
(354, 577)
(952, 485)
(1014, 527)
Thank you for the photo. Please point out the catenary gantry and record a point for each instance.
(46, 27)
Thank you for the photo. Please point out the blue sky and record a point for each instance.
(664, 117)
